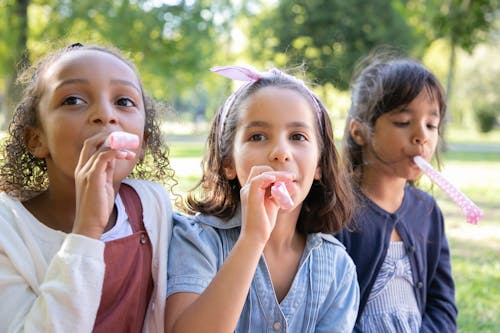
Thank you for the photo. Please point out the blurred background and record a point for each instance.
(174, 43)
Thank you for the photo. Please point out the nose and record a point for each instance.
(103, 113)
(281, 151)
(419, 135)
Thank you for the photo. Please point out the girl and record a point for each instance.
(81, 248)
(397, 241)
(243, 263)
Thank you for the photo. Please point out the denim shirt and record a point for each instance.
(324, 295)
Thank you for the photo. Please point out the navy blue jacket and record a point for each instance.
(420, 224)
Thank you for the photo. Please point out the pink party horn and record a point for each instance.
(473, 213)
(281, 195)
(121, 141)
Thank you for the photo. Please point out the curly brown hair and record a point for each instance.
(330, 202)
(22, 175)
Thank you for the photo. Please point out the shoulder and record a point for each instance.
(11, 211)
(420, 205)
(332, 250)
(210, 230)
(7, 203)
(153, 195)
(202, 223)
(192, 227)
(330, 240)
(416, 196)
(146, 187)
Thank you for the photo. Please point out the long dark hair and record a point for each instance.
(329, 204)
(385, 81)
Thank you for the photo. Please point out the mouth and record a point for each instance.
(412, 160)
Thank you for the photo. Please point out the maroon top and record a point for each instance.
(128, 282)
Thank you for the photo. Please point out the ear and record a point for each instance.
(357, 132)
(317, 173)
(229, 170)
(35, 141)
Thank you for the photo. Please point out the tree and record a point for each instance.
(14, 54)
(463, 23)
(173, 45)
(330, 36)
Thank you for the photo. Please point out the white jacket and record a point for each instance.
(51, 281)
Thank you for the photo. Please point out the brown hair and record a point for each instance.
(329, 204)
(386, 81)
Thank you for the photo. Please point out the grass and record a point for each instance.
(475, 249)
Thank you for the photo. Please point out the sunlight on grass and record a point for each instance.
(470, 135)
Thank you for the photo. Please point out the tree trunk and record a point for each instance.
(17, 21)
(449, 80)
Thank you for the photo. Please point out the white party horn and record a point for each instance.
(121, 141)
(472, 212)
(281, 195)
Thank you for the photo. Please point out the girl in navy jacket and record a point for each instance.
(397, 240)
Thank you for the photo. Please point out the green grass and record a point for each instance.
(182, 149)
(475, 249)
(456, 134)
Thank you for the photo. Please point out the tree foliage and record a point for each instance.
(172, 44)
(463, 23)
(329, 36)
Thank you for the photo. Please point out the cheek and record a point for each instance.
(243, 165)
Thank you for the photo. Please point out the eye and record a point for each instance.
(257, 137)
(432, 126)
(298, 137)
(124, 101)
(401, 123)
(73, 100)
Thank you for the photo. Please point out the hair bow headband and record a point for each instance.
(250, 75)
(239, 73)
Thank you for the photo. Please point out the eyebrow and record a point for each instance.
(259, 123)
(127, 83)
(434, 113)
(72, 81)
(113, 82)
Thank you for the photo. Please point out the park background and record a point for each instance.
(175, 42)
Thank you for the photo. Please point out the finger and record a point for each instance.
(90, 147)
(257, 170)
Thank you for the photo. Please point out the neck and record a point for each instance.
(55, 209)
(386, 192)
(284, 235)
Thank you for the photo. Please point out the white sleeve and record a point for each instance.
(65, 299)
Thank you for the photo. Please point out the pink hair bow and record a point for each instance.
(250, 75)
(239, 72)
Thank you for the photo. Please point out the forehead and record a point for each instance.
(285, 102)
(90, 63)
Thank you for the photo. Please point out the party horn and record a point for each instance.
(472, 212)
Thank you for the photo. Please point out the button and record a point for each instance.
(420, 285)
(411, 249)
(143, 239)
(277, 326)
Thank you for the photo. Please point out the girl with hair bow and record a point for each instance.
(258, 257)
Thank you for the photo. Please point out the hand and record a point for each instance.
(259, 210)
(95, 190)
